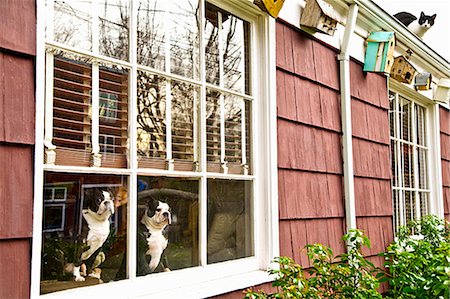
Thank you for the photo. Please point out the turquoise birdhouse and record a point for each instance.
(380, 52)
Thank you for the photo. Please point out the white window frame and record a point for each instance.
(206, 280)
(432, 139)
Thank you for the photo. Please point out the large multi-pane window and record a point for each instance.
(147, 100)
(409, 159)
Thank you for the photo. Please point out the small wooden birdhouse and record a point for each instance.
(402, 70)
(380, 52)
(272, 7)
(422, 81)
(319, 16)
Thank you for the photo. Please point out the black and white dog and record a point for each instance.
(97, 210)
(152, 237)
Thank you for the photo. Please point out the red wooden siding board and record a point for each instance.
(379, 230)
(286, 96)
(368, 87)
(307, 148)
(303, 50)
(373, 197)
(444, 117)
(16, 191)
(446, 197)
(285, 238)
(17, 105)
(307, 102)
(371, 159)
(309, 195)
(445, 146)
(330, 109)
(326, 65)
(288, 49)
(267, 287)
(299, 236)
(18, 25)
(445, 173)
(15, 260)
(328, 232)
(280, 46)
(370, 122)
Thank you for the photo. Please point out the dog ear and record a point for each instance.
(152, 204)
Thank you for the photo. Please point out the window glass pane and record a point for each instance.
(164, 244)
(113, 116)
(230, 227)
(183, 28)
(236, 130)
(213, 130)
(394, 163)
(227, 50)
(185, 103)
(235, 53)
(392, 114)
(114, 18)
(233, 151)
(420, 125)
(405, 114)
(409, 200)
(151, 33)
(422, 168)
(423, 203)
(151, 120)
(73, 23)
(211, 42)
(407, 166)
(85, 230)
(72, 89)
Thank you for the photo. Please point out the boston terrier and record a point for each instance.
(99, 207)
(152, 237)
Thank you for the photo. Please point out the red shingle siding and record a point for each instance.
(444, 116)
(18, 26)
(311, 195)
(16, 192)
(311, 205)
(17, 112)
(15, 261)
(17, 127)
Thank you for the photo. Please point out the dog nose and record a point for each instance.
(166, 214)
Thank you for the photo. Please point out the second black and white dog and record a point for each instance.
(97, 210)
(152, 237)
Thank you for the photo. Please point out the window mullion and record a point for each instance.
(50, 155)
(401, 175)
(221, 97)
(95, 118)
(169, 156)
(132, 135)
(203, 207)
(416, 161)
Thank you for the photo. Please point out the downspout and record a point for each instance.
(346, 115)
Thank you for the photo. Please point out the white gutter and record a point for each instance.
(347, 150)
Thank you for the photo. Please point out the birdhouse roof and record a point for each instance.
(381, 36)
(327, 9)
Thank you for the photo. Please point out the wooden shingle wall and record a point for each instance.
(445, 158)
(17, 127)
(311, 195)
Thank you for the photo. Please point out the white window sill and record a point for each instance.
(182, 286)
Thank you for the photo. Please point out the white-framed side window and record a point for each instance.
(167, 101)
(415, 157)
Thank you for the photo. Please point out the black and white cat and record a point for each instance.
(417, 26)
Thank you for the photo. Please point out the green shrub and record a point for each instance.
(346, 276)
(418, 261)
(417, 265)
